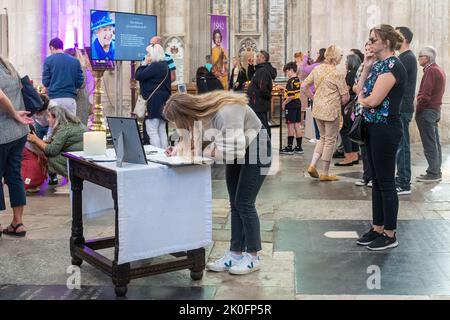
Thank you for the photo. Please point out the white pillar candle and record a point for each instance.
(94, 144)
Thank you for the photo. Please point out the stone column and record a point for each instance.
(26, 37)
(198, 36)
(431, 27)
(277, 33)
(299, 27)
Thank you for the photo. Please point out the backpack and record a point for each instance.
(34, 169)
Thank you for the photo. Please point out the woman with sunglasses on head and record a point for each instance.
(384, 78)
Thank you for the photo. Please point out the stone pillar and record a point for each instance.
(25, 38)
(277, 33)
(299, 27)
(198, 36)
(431, 27)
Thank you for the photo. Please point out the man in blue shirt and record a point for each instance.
(62, 76)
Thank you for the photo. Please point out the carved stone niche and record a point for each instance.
(248, 47)
(175, 46)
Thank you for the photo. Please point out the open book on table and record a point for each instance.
(161, 158)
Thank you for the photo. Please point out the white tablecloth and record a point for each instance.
(162, 210)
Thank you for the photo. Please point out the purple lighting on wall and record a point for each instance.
(66, 21)
(44, 32)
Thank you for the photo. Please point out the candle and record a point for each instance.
(94, 144)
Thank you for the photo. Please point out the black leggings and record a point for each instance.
(382, 145)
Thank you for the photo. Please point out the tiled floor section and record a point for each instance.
(420, 265)
(287, 198)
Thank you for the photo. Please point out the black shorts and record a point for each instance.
(293, 116)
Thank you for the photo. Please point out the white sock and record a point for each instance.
(236, 256)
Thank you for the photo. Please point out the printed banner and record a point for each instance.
(219, 48)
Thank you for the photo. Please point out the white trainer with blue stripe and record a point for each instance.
(247, 265)
(223, 264)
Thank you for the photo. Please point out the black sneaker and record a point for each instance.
(298, 150)
(403, 191)
(383, 243)
(368, 238)
(53, 181)
(429, 178)
(287, 150)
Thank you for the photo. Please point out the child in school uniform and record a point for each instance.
(292, 107)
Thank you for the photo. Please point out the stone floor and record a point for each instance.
(308, 230)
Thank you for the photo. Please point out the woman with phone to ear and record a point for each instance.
(156, 86)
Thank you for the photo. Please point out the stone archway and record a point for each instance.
(247, 48)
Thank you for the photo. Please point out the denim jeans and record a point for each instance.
(382, 146)
(11, 155)
(244, 182)
(367, 176)
(404, 154)
(428, 124)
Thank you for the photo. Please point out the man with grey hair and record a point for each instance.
(429, 102)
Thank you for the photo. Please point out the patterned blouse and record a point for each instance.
(330, 88)
(391, 104)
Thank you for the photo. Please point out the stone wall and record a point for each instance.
(424, 17)
(280, 26)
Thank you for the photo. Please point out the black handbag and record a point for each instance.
(31, 98)
(348, 113)
(358, 132)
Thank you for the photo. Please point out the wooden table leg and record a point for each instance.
(120, 273)
(77, 238)
(199, 263)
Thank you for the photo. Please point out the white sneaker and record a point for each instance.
(223, 264)
(360, 183)
(313, 141)
(34, 190)
(403, 192)
(247, 265)
(370, 184)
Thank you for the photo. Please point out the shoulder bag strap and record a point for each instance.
(159, 86)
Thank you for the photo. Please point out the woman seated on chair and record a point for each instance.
(67, 136)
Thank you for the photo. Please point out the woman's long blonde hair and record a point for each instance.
(184, 110)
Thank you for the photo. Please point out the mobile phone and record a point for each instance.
(182, 88)
(32, 129)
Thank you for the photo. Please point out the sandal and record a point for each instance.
(14, 232)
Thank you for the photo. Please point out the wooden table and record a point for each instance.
(82, 250)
